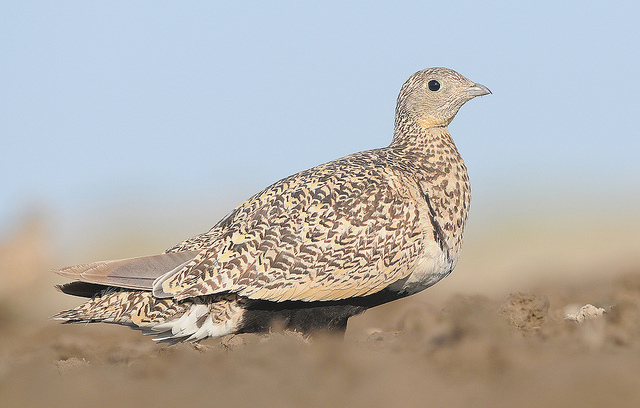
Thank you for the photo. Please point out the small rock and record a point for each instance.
(587, 311)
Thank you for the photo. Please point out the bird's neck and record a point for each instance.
(409, 135)
(431, 155)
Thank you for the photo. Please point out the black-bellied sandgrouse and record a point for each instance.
(312, 249)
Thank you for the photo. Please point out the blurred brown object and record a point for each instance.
(25, 255)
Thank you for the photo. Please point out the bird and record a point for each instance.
(313, 249)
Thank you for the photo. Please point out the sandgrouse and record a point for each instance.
(312, 249)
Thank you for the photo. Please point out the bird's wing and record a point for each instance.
(332, 232)
(133, 273)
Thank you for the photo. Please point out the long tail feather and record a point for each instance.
(132, 273)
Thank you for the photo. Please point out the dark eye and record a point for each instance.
(433, 85)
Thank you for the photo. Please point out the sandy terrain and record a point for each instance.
(503, 340)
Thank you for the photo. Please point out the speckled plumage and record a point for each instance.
(317, 246)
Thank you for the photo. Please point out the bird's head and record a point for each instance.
(433, 96)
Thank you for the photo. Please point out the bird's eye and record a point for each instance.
(433, 85)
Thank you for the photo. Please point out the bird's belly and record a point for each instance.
(432, 265)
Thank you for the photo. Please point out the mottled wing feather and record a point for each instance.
(168, 320)
(332, 232)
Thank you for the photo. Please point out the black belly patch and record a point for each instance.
(309, 317)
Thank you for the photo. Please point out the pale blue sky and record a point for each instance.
(171, 107)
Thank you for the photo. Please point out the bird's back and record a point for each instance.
(344, 228)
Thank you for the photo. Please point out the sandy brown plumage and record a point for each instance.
(314, 248)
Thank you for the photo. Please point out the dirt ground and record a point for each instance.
(449, 347)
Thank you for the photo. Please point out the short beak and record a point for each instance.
(478, 90)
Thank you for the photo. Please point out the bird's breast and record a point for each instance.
(432, 265)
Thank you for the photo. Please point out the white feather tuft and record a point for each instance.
(197, 323)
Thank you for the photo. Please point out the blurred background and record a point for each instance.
(127, 127)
